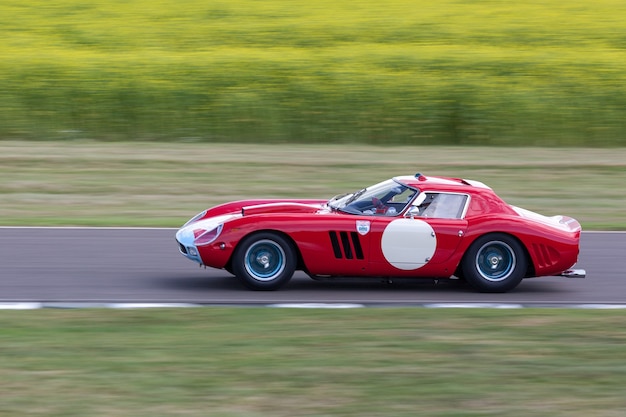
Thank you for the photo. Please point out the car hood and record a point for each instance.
(281, 207)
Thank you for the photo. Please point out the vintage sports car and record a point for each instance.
(404, 227)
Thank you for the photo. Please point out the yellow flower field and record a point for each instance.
(401, 72)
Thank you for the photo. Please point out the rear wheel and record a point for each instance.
(494, 263)
(264, 261)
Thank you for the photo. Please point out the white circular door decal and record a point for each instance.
(408, 243)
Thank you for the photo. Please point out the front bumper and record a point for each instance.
(186, 246)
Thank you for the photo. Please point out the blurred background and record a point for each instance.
(542, 72)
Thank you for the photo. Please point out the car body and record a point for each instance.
(408, 226)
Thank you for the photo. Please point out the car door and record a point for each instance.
(428, 235)
(336, 244)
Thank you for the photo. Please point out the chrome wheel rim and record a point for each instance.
(495, 261)
(265, 260)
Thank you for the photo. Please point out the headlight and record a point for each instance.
(204, 237)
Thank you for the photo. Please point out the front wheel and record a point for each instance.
(494, 263)
(264, 261)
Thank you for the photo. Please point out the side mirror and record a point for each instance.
(413, 211)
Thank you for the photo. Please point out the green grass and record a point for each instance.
(404, 72)
(160, 184)
(271, 362)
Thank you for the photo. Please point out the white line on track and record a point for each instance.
(316, 305)
(20, 306)
(473, 305)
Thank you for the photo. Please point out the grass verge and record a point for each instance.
(161, 184)
(273, 362)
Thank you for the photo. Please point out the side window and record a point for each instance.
(404, 197)
(443, 205)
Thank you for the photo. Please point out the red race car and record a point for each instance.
(408, 226)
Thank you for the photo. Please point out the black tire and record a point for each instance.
(264, 261)
(494, 263)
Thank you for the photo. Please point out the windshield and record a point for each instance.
(388, 198)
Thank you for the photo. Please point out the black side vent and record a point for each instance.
(357, 245)
(346, 245)
(335, 242)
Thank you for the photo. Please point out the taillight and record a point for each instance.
(204, 237)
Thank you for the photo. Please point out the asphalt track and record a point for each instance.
(121, 265)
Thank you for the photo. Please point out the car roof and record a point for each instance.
(425, 183)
